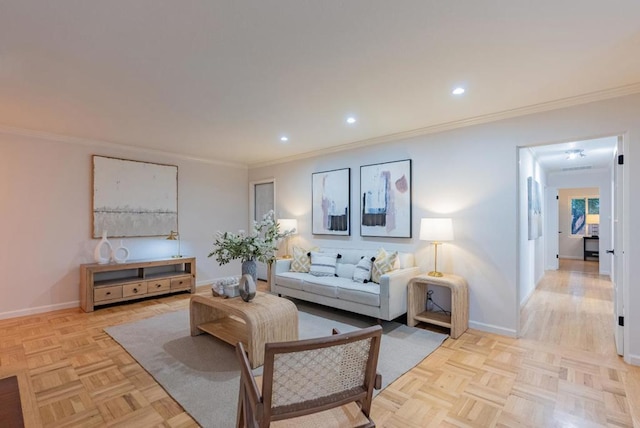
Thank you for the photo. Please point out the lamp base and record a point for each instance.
(435, 273)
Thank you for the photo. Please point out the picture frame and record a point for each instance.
(133, 198)
(385, 199)
(534, 209)
(331, 202)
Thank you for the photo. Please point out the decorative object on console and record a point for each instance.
(259, 245)
(134, 198)
(247, 288)
(331, 198)
(175, 236)
(120, 254)
(436, 230)
(104, 246)
(288, 225)
(385, 199)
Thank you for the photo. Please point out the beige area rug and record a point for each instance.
(201, 372)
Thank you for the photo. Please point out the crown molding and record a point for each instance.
(477, 120)
(21, 132)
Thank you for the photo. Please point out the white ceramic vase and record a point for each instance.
(120, 254)
(102, 252)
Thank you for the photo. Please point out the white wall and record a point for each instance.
(470, 174)
(531, 251)
(45, 200)
(600, 181)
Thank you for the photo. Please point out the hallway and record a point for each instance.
(572, 307)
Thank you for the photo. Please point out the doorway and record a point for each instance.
(262, 199)
(585, 164)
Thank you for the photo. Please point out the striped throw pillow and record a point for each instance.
(362, 272)
(323, 264)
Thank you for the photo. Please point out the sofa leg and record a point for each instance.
(379, 321)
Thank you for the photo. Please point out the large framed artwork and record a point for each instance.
(385, 199)
(133, 198)
(534, 208)
(331, 197)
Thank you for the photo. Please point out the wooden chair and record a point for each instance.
(322, 382)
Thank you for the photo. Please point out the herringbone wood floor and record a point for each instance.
(562, 372)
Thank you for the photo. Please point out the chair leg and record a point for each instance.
(240, 422)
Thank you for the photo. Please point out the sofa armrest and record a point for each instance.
(393, 291)
(282, 265)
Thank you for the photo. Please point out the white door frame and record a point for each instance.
(620, 293)
(262, 268)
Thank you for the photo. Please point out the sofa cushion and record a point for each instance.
(323, 285)
(385, 262)
(291, 279)
(301, 261)
(323, 264)
(366, 294)
(362, 271)
(345, 270)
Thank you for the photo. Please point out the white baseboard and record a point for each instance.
(634, 360)
(39, 310)
(492, 329)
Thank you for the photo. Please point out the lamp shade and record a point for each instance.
(436, 229)
(288, 224)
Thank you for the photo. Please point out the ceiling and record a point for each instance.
(597, 153)
(224, 80)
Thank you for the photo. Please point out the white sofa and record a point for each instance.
(386, 300)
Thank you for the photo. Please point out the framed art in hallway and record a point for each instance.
(385, 199)
(331, 197)
(534, 209)
(134, 198)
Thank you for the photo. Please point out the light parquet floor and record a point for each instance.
(563, 372)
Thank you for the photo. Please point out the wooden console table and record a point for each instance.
(458, 321)
(102, 284)
(266, 318)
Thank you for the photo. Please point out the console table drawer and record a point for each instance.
(135, 289)
(158, 285)
(181, 283)
(107, 293)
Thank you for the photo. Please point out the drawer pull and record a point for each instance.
(108, 293)
(158, 285)
(135, 290)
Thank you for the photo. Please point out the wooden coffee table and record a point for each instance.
(266, 318)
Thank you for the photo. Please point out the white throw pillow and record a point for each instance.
(323, 264)
(362, 273)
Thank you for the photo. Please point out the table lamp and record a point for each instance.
(288, 225)
(174, 236)
(436, 230)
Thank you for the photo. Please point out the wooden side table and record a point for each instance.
(458, 321)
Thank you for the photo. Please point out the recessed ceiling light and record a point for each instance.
(458, 91)
(284, 138)
(351, 120)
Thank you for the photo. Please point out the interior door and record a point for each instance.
(553, 229)
(617, 250)
(262, 201)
